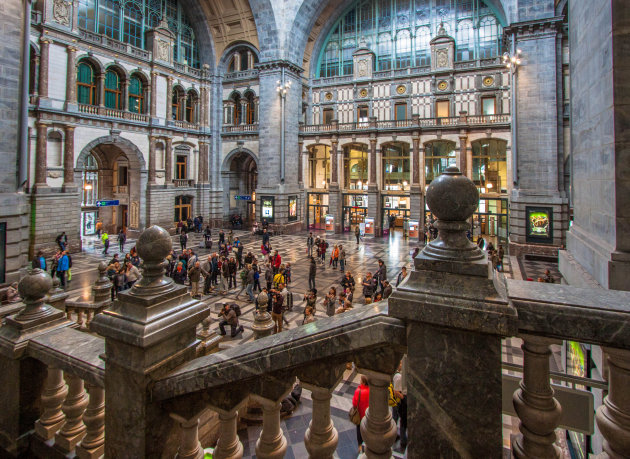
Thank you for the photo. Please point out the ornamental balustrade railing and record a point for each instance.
(449, 317)
(229, 129)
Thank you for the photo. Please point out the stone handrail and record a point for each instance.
(327, 339)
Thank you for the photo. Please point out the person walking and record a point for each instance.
(357, 234)
(250, 285)
(312, 272)
(342, 258)
(63, 264)
(105, 240)
(310, 241)
(62, 241)
(276, 310)
(183, 240)
(122, 238)
(361, 401)
(334, 256)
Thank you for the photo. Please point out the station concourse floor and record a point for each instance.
(394, 250)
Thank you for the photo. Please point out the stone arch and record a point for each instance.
(267, 30)
(119, 69)
(198, 19)
(239, 175)
(133, 153)
(227, 54)
(99, 68)
(225, 166)
(140, 74)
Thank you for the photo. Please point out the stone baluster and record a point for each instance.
(53, 396)
(74, 406)
(93, 444)
(229, 445)
(189, 445)
(321, 437)
(272, 443)
(613, 417)
(80, 322)
(537, 410)
(377, 427)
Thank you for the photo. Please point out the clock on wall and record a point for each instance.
(488, 81)
(442, 85)
(401, 89)
(363, 93)
(329, 96)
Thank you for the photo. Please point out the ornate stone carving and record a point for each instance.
(442, 58)
(61, 12)
(54, 174)
(362, 69)
(163, 51)
(134, 214)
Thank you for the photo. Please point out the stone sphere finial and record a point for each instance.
(153, 246)
(452, 197)
(102, 267)
(33, 288)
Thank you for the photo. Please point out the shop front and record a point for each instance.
(354, 210)
(395, 212)
(317, 209)
(491, 220)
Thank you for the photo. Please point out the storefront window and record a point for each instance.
(439, 155)
(355, 166)
(317, 210)
(489, 165)
(396, 166)
(319, 166)
(90, 182)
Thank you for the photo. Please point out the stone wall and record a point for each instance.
(52, 214)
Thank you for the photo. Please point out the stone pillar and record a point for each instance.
(250, 59)
(416, 194)
(202, 176)
(168, 161)
(229, 445)
(125, 96)
(152, 173)
(237, 61)
(93, 444)
(463, 153)
(334, 165)
(154, 83)
(68, 159)
(100, 87)
(415, 160)
(75, 16)
(71, 80)
(537, 410)
(73, 407)
(613, 417)
(272, 443)
(467, 341)
(243, 109)
(334, 190)
(149, 330)
(373, 187)
(169, 98)
(189, 445)
(41, 159)
(300, 164)
(44, 60)
(53, 396)
(378, 428)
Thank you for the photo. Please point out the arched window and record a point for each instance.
(396, 166)
(191, 107)
(177, 104)
(86, 86)
(237, 116)
(399, 31)
(128, 21)
(355, 166)
(489, 165)
(113, 91)
(136, 95)
(438, 155)
(319, 166)
(251, 108)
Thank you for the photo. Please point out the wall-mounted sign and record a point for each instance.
(293, 213)
(539, 224)
(330, 223)
(243, 197)
(104, 203)
(369, 226)
(267, 204)
(414, 228)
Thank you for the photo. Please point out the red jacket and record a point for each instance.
(277, 261)
(365, 399)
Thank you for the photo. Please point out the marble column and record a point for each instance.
(44, 60)
(416, 191)
(41, 158)
(154, 82)
(415, 161)
(71, 80)
(334, 163)
(334, 192)
(300, 164)
(378, 428)
(229, 445)
(271, 444)
(237, 62)
(203, 162)
(250, 59)
(125, 96)
(152, 173)
(68, 160)
(463, 153)
(168, 161)
(537, 409)
(169, 98)
(372, 163)
(243, 109)
(613, 417)
(100, 87)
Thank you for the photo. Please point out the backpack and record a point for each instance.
(244, 275)
(392, 400)
(237, 309)
(277, 280)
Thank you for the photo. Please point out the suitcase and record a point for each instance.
(208, 244)
(290, 301)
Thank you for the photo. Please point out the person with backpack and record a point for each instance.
(243, 275)
(279, 278)
(229, 316)
(256, 276)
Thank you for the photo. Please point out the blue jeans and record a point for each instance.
(250, 293)
(342, 264)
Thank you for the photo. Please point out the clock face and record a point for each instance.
(363, 93)
(329, 96)
(488, 81)
(401, 89)
(442, 85)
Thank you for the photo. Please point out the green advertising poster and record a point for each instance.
(539, 224)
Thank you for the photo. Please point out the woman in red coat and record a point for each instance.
(361, 400)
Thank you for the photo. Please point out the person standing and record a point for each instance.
(361, 401)
(105, 239)
(265, 237)
(400, 391)
(381, 274)
(221, 237)
(269, 276)
(357, 234)
(501, 255)
(312, 272)
(183, 240)
(62, 241)
(369, 287)
(310, 241)
(122, 238)
(133, 274)
(401, 276)
(277, 261)
(239, 252)
(63, 264)
(225, 276)
(342, 258)
(387, 289)
(276, 310)
(194, 274)
(330, 302)
(39, 261)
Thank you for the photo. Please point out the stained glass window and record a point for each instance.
(128, 20)
(399, 32)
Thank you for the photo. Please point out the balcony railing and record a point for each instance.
(449, 317)
(184, 125)
(227, 129)
(242, 75)
(113, 113)
(183, 183)
(115, 45)
(454, 121)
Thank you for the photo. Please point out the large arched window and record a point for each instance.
(438, 155)
(251, 108)
(192, 101)
(355, 166)
(396, 166)
(237, 116)
(399, 31)
(489, 165)
(319, 166)
(136, 95)
(129, 20)
(86, 86)
(113, 90)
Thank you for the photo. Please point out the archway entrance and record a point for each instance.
(240, 178)
(110, 182)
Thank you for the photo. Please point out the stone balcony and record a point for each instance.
(149, 385)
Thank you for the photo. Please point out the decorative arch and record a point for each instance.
(141, 74)
(119, 69)
(198, 20)
(133, 153)
(227, 161)
(267, 30)
(99, 68)
(226, 57)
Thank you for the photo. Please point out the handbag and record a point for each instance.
(354, 414)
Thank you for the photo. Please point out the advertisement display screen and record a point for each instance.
(293, 208)
(540, 224)
(330, 223)
(266, 203)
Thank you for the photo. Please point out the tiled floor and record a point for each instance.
(394, 251)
